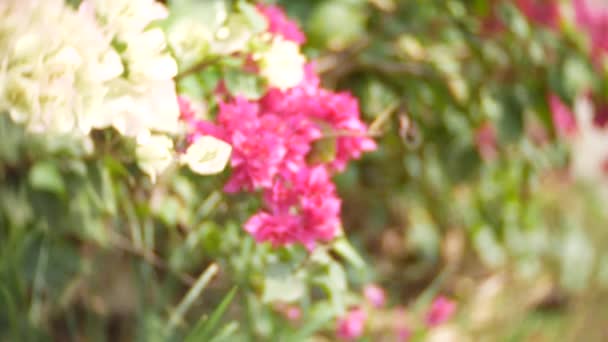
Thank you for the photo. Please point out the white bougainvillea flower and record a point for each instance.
(53, 75)
(207, 155)
(126, 18)
(144, 99)
(154, 154)
(190, 40)
(147, 58)
(134, 113)
(233, 36)
(282, 64)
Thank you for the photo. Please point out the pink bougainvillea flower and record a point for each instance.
(351, 326)
(318, 205)
(592, 16)
(278, 229)
(293, 313)
(403, 334)
(375, 295)
(563, 119)
(441, 311)
(279, 23)
(542, 12)
(185, 109)
(401, 330)
(271, 141)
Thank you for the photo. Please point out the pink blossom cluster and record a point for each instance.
(280, 24)
(542, 12)
(272, 139)
(592, 16)
(352, 325)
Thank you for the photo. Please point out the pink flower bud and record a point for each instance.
(441, 310)
(293, 313)
(351, 326)
(375, 295)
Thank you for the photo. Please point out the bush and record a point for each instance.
(398, 170)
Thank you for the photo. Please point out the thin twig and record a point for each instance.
(382, 118)
(391, 68)
(196, 68)
(344, 133)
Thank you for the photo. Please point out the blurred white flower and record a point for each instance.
(282, 64)
(590, 145)
(147, 58)
(234, 36)
(144, 99)
(207, 155)
(52, 76)
(189, 40)
(134, 113)
(154, 154)
(125, 19)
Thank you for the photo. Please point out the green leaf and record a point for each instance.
(323, 151)
(211, 13)
(257, 21)
(489, 248)
(243, 84)
(510, 121)
(281, 284)
(45, 176)
(205, 327)
(320, 315)
(226, 333)
(346, 25)
(346, 250)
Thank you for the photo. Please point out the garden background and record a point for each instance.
(320, 170)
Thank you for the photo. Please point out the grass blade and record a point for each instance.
(205, 327)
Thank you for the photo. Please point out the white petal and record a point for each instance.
(207, 155)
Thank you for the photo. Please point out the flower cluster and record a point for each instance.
(583, 126)
(542, 12)
(357, 319)
(102, 66)
(592, 16)
(275, 141)
(280, 25)
(53, 77)
(282, 64)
